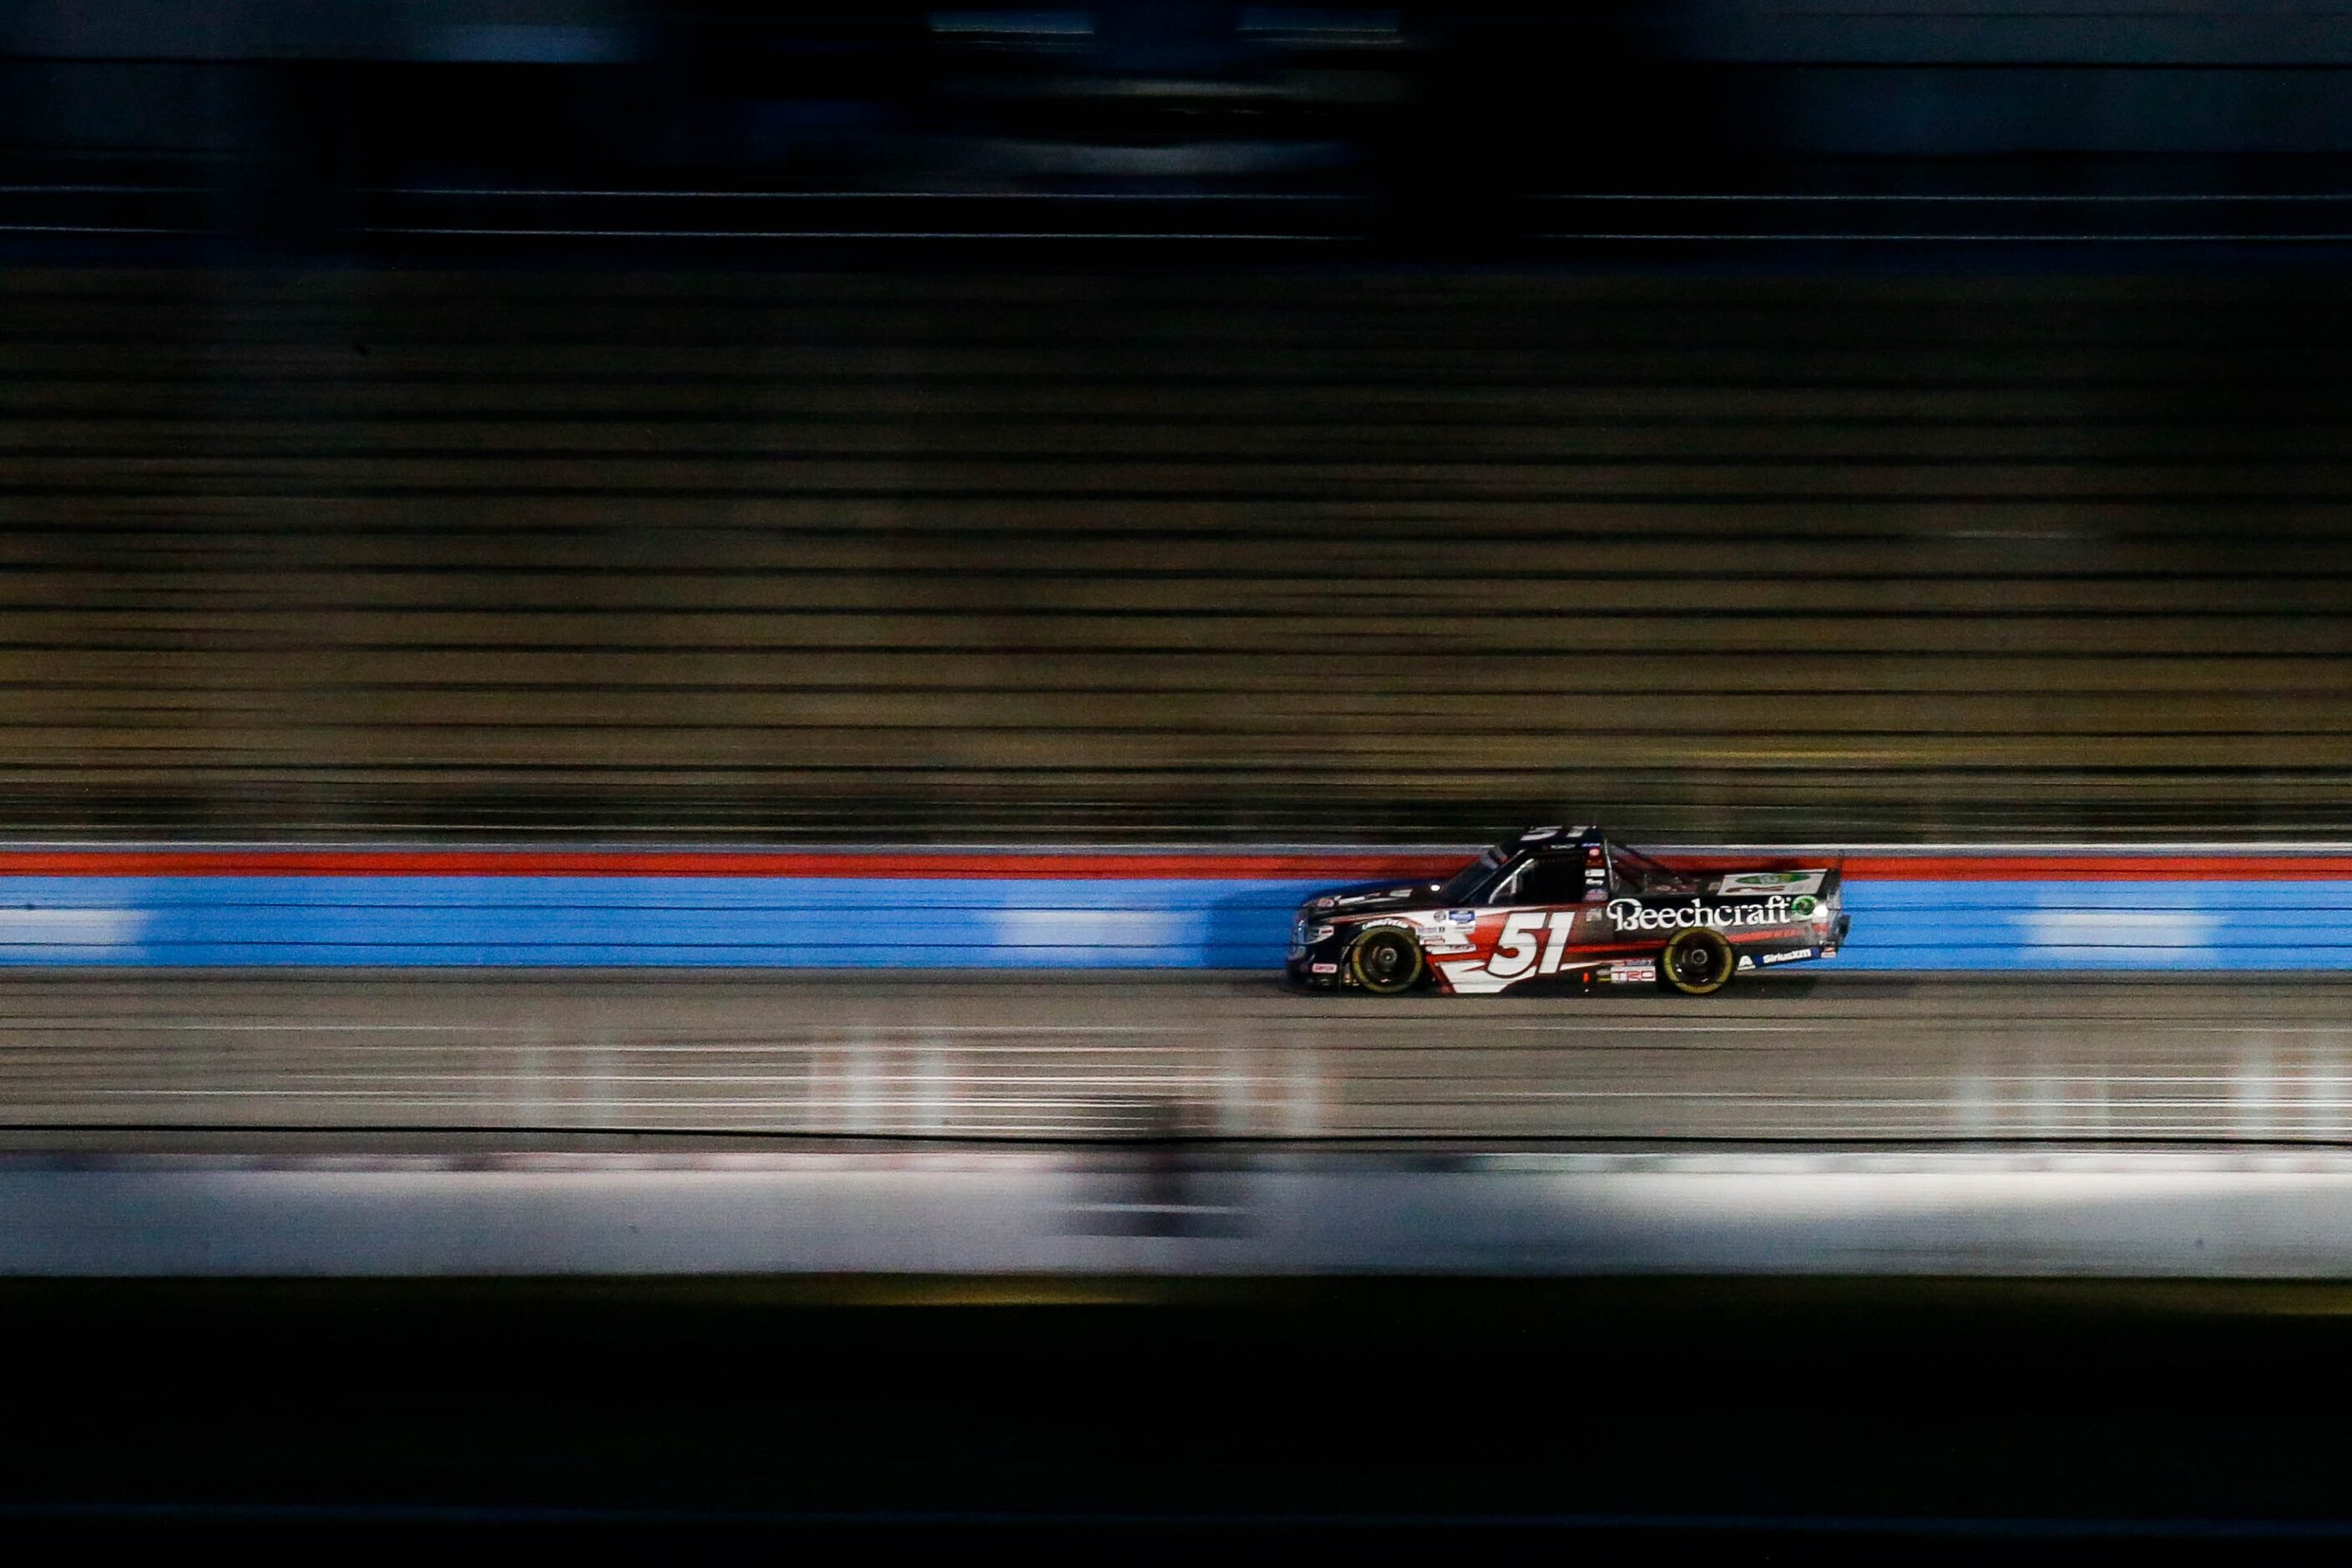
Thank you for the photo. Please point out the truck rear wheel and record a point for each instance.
(1697, 962)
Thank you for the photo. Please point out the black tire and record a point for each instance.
(1697, 963)
(1386, 961)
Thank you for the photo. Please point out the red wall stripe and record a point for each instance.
(1336, 866)
(2099, 868)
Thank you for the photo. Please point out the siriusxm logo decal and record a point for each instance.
(1629, 914)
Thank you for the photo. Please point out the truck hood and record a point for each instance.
(1371, 899)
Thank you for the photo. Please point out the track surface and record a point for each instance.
(1152, 1057)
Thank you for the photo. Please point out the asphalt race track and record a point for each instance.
(1799, 1059)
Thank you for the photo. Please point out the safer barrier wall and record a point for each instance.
(896, 909)
(1982, 909)
(2125, 911)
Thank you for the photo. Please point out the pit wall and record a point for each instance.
(1981, 910)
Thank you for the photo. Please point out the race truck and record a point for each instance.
(1565, 908)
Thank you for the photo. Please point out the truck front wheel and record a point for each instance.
(1386, 960)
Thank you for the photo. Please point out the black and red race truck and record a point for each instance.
(1565, 908)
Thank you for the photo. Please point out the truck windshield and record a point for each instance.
(1464, 884)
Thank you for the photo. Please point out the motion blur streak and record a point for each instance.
(1027, 556)
(1159, 1058)
(1256, 1213)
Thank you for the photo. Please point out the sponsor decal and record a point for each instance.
(1463, 917)
(1596, 874)
(1438, 937)
(1324, 968)
(1320, 934)
(1635, 972)
(1631, 914)
(1789, 957)
(1746, 961)
(1790, 882)
(1804, 906)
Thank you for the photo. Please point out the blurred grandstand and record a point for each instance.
(1171, 421)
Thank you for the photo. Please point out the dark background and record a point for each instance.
(1749, 1419)
(1172, 421)
(601, 418)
